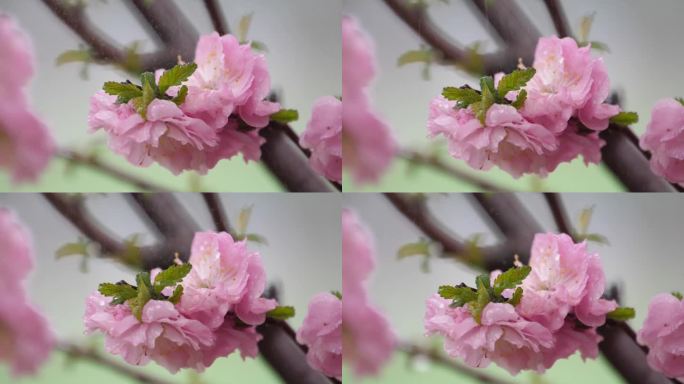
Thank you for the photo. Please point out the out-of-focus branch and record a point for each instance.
(169, 23)
(94, 163)
(560, 21)
(218, 214)
(437, 358)
(511, 24)
(437, 164)
(91, 355)
(217, 17)
(560, 215)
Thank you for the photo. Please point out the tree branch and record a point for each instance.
(91, 355)
(511, 24)
(437, 164)
(560, 216)
(434, 356)
(218, 214)
(217, 18)
(94, 163)
(560, 21)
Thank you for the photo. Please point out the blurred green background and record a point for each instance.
(644, 64)
(304, 58)
(643, 258)
(302, 258)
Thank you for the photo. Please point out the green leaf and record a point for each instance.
(72, 249)
(678, 295)
(243, 27)
(593, 237)
(511, 279)
(148, 94)
(625, 118)
(416, 56)
(488, 98)
(476, 307)
(285, 116)
(517, 296)
(584, 220)
(177, 293)
(259, 46)
(171, 276)
(243, 219)
(137, 304)
(414, 249)
(514, 81)
(622, 314)
(281, 313)
(337, 294)
(463, 96)
(483, 280)
(124, 91)
(73, 56)
(599, 46)
(176, 76)
(585, 27)
(460, 295)
(180, 97)
(256, 238)
(120, 292)
(520, 100)
(680, 100)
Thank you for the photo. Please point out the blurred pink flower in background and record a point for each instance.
(26, 145)
(367, 336)
(321, 332)
(367, 141)
(664, 138)
(663, 334)
(323, 136)
(26, 339)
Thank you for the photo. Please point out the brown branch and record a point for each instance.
(93, 162)
(72, 209)
(560, 216)
(436, 357)
(437, 164)
(511, 24)
(218, 214)
(91, 355)
(560, 21)
(286, 161)
(217, 18)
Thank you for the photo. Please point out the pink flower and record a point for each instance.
(568, 340)
(565, 279)
(367, 141)
(323, 136)
(568, 82)
(321, 332)
(368, 339)
(26, 339)
(507, 139)
(225, 276)
(662, 333)
(26, 145)
(230, 78)
(16, 255)
(664, 137)
(503, 336)
(164, 335)
(167, 135)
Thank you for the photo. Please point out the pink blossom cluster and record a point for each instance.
(662, 333)
(223, 112)
(561, 118)
(26, 339)
(26, 145)
(323, 136)
(218, 312)
(321, 333)
(560, 309)
(367, 141)
(368, 338)
(664, 138)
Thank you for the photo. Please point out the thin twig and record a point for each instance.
(95, 163)
(91, 355)
(437, 164)
(218, 214)
(217, 18)
(434, 356)
(560, 21)
(560, 216)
